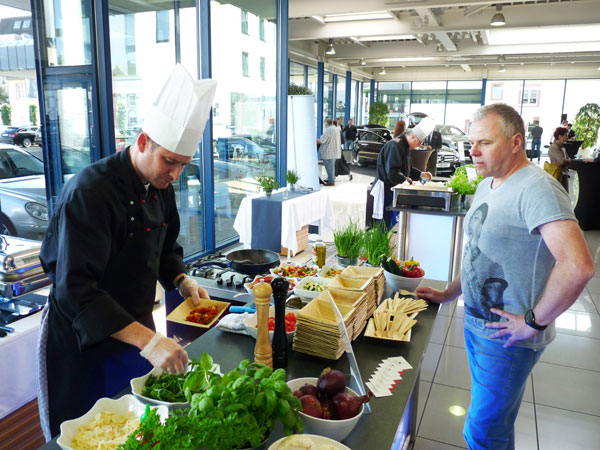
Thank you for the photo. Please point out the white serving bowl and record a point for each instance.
(317, 440)
(398, 282)
(325, 269)
(335, 429)
(275, 270)
(137, 387)
(301, 292)
(120, 406)
(292, 282)
(251, 321)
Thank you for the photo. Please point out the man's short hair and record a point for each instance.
(510, 120)
(329, 121)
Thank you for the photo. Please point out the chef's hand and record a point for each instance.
(515, 327)
(426, 175)
(433, 295)
(190, 288)
(167, 355)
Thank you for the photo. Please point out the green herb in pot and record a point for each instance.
(349, 240)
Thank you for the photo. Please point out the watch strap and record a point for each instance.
(530, 320)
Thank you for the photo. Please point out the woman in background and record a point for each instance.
(558, 155)
(400, 127)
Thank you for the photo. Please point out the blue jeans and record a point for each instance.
(498, 379)
(348, 144)
(330, 168)
(535, 149)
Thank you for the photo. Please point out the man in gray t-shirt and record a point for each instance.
(525, 262)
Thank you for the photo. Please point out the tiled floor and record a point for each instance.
(561, 407)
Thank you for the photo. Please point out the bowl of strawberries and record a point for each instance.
(406, 275)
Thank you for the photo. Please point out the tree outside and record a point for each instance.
(6, 112)
(33, 114)
(3, 95)
(378, 114)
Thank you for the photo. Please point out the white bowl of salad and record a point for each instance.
(311, 287)
(295, 271)
(330, 271)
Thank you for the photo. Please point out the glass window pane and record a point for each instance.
(353, 105)
(397, 96)
(261, 29)
(429, 97)
(327, 95)
(244, 114)
(162, 26)
(504, 91)
(340, 107)
(542, 101)
(244, 15)
(578, 94)
(464, 98)
(296, 73)
(67, 26)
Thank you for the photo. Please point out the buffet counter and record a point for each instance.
(393, 419)
(587, 209)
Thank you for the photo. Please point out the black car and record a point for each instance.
(370, 140)
(23, 136)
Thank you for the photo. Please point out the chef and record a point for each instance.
(112, 236)
(394, 167)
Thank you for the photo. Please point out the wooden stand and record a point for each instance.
(263, 352)
(301, 238)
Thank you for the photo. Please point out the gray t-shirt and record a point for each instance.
(505, 261)
(536, 132)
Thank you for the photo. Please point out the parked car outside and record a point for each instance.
(22, 194)
(371, 139)
(38, 136)
(455, 139)
(23, 135)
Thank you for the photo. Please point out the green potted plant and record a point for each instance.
(348, 242)
(377, 242)
(294, 89)
(235, 411)
(268, 184)
(378, 114)
(292, 178)
(586, 124)
(462, 186)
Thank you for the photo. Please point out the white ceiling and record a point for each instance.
(446, 39)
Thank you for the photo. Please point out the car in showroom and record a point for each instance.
(455, 139)
(23, 205)
(23, 136)
(370, 139)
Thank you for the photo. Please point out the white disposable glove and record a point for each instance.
(166, 354)
(188, 287)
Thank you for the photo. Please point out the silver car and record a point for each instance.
(22, 194)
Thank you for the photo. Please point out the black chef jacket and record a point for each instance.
(108, 242)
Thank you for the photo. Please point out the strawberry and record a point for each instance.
(413, 271)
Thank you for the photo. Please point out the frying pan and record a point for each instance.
(249, 261)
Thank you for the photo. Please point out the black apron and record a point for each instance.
(76, 379)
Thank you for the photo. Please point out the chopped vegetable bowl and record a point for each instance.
(267, 279)
(295, 271)
(311, 287)
(290, 323)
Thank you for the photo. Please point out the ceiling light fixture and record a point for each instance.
(330, 50)
(498, 19)
(502, 69)
(363, 62)
(382, 71)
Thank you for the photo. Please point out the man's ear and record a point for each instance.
(518, 143)
(142, 141)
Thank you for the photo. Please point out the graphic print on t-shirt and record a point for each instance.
(484, 282)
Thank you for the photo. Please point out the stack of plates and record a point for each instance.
(355, 299)
(317, 332)
(366, 285)
(366, 272)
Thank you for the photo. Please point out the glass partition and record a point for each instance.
(429, 97)
(245, 110)
(327, 95)
(353, 105)
(340, 102)
(313, 80)
(464, 98)
(542, 101)
(397, 96)
(578, 94)
(296, 73)
(68, 34)
(504, 91)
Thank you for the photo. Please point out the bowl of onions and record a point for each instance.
(329, 408)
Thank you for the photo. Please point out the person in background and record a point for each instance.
(565, 123)
(558, 155)
(571, 135)
(536, 141)
(341, 128)
(349, 134)
(394, 167)
(331, 149)
(518, 212)
(399, 128)
(113, 234)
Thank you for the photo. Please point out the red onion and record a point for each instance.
(347, 406)
(311, 406)
(308, 389)
(330, 383)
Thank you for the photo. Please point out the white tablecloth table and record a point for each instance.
(295, 213)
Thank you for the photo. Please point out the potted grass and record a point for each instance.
(292, 178)
(463, 187)
(348, 242)
(268, 184)
(377, 242)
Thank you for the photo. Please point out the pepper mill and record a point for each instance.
(263, 353)
(280, 289)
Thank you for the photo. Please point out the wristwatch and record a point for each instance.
(530, 320)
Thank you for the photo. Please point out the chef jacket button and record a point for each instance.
(164, 224)
(131, 202)
(143, 201)
(132, 219)
(147, 229)
(130, 234)
(155, 197)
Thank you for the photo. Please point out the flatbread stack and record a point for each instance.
(394, 318)
(366, 272)
(317, 331)
(351, 283)
(355, 299)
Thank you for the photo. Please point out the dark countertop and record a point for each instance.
(380, 425)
